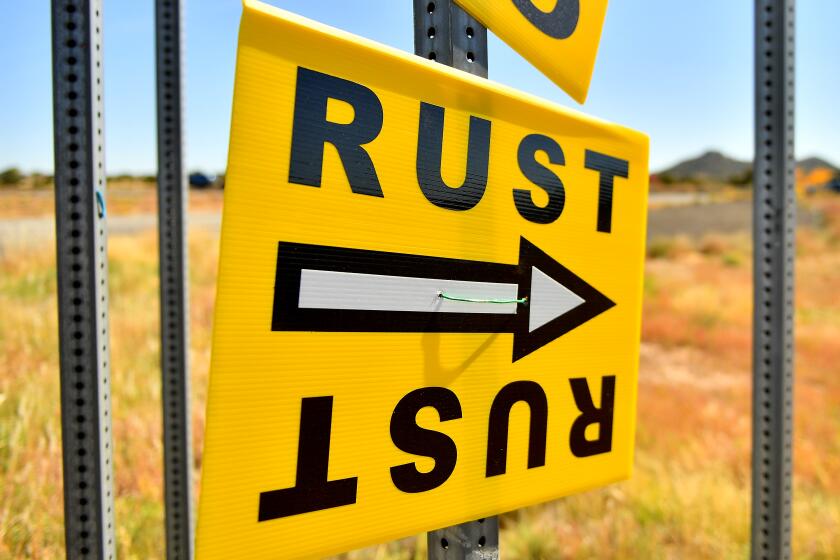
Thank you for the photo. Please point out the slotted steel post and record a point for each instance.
(174, 318)
(82, 269)
(445, 33)
(774, 229)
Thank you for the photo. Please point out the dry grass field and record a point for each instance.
(124, 198)
(688, 498)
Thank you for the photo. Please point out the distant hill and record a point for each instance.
(811, 164)
(711, 166)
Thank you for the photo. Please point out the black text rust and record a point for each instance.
(311, 131)
(314, 491)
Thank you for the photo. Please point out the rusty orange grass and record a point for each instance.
(688, 498)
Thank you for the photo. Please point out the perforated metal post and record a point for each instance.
(174, 315)
(774, 223)
(445, 33)
(82, 268)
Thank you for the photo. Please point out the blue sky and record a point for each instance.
(680, 71)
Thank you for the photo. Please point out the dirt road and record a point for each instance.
(24, 233)
(700, 219)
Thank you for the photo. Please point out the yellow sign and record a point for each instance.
(559, 37)
(429, 298)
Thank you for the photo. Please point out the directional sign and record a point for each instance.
(559, 37)
(429, 298)
(348, 290)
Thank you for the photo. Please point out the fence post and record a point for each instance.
(174, 299)
(445, 33)
(774, 232)
(82, 270)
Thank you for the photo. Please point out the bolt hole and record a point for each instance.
(432, 55)
(471, 56)
(430, 7)
(444, 544)
(470, 32)
(431, 33)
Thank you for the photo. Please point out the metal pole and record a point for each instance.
(774, 225)
(82, 269)
(445, 33)
(174, 314)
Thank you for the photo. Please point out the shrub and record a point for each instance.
(713, 245)
(669, 247)
(40, 181)
(11, 176)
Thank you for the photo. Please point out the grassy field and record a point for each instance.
(124, 197)
(689, 497)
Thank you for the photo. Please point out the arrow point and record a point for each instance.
(549, 299)
(559, 300)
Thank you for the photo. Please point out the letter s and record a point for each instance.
(559, 23)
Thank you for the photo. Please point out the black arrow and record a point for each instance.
(335, 289)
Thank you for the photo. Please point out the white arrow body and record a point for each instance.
(326, 289)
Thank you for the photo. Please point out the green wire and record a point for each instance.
(444, 295)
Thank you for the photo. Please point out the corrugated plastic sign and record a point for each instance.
(559, 37)
(429, 298)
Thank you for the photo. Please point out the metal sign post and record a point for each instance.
(446, 33)
(82, 266)
(774, 223)
(174, 315)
